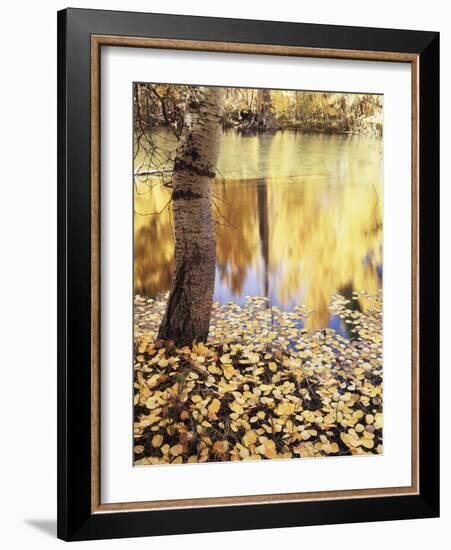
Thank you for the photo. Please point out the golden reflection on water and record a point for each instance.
(299, 219)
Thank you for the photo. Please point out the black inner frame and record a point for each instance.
(75, 520)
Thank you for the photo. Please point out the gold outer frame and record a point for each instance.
(97, 41)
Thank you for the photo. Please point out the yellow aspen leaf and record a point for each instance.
(157, 440)
(285, 408)
(269, 449)
(249, 438)
(142, 346)
(214, 369)
(225, 359)
(214, 406)
(349, 440)
(379, 421)
(367, 443)
(153, 380)
(229, 371)
(196, 398)
(356, 451)
(142, 462)
(309, 416)
(236, 407)
(244, 453)
(176, 450)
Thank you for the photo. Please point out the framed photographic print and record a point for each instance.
(248, 274)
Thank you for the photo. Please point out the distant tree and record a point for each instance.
(266, 119)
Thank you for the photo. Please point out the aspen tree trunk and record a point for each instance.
(188, 311)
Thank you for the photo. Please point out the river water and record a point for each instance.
(299, 219)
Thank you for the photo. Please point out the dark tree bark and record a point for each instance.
(265, 116)
(263, 230)
(262, 119)
(188, 311)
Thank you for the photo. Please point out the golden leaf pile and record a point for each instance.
(262, 387)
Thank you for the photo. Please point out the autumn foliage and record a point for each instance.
(262, 387)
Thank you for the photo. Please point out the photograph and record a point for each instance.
(257, 269)
(248, 252)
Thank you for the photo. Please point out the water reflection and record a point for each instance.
(299, 218)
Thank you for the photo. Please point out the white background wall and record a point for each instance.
(28, 270)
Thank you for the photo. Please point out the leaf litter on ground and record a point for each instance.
(262, 387)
